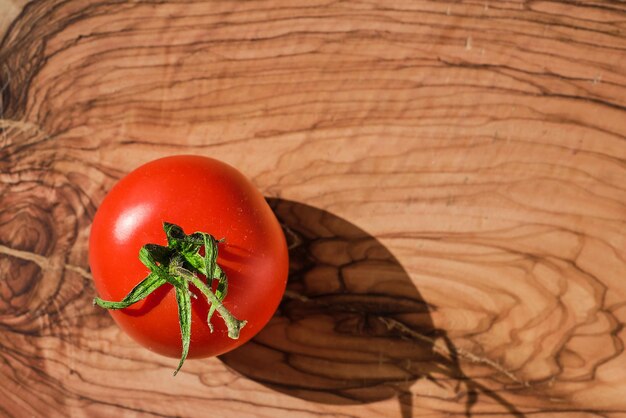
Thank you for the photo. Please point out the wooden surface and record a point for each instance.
(451, 177)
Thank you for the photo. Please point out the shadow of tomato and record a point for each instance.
(352, 327)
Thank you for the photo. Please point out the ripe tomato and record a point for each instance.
(198, 194)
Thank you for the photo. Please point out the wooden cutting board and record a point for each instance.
(451, 176)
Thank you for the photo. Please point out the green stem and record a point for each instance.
(234, 325)
(179, 263)
(184, 316)
(139, 292)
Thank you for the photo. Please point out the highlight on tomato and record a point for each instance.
(188, 257)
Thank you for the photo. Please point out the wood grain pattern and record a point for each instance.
(465, 159)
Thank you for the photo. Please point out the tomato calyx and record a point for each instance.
(180, 263)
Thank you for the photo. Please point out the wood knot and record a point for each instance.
(38, 227)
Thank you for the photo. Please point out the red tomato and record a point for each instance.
(198, 194)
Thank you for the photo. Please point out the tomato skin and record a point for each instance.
(198, 194)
